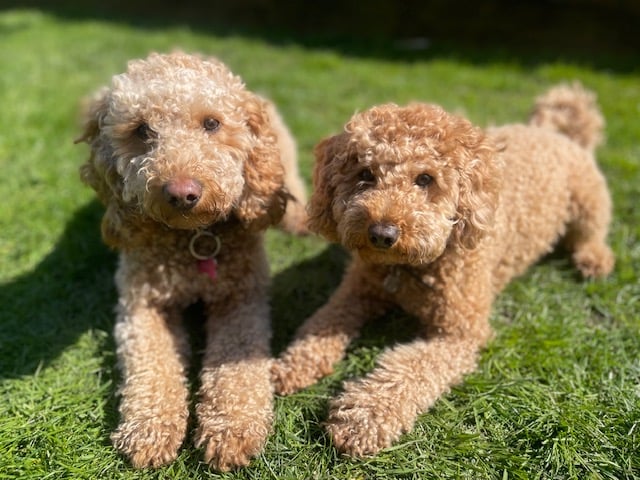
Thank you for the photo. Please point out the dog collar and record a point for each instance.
(393, 279)
(206, 261)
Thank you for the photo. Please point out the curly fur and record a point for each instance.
(573, 111)
(184, 156)
(440, 215)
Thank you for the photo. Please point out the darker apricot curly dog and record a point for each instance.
(191, 167)
(440, 215)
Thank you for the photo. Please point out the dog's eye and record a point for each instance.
(144, 132)
(366, 176)
(423, 180)
(210, 124)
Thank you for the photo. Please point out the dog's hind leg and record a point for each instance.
(589, 224)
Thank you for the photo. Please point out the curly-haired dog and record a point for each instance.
(440, 215)
(189, 165)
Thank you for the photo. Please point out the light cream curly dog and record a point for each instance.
(189, 164)
(440, 215)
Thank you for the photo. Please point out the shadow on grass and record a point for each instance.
(67, 294)
(599, 34)
(301, 289)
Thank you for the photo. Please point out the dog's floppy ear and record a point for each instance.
(99, 170)
(93, 110)
(264, 198)
(328, 154)
(112, 227)
(479, 186)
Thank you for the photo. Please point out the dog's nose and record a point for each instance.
(182, 193)
(383, 235)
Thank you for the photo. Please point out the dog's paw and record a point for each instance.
(594, 260)
(284, 379)
(149, 442)
(363, 426)
(230, 446)
(289, 376)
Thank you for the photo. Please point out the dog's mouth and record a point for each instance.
(191, 222)
(396, 256)
(184, 220)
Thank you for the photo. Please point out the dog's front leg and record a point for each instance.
(373, 412)
(152, 352)
(322, 339)
(235, 406)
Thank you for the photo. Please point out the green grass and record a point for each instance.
(557, 393)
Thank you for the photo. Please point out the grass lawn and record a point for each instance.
(557, 393)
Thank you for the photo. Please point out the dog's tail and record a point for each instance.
(571, 110)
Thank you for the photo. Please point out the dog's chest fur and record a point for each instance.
(169, 271)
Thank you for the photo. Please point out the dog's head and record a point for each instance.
(179, 140)
(400, 184)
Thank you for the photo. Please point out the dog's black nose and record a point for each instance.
(383, 235)
(182, 193)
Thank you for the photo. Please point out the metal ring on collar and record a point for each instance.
(192, 245)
